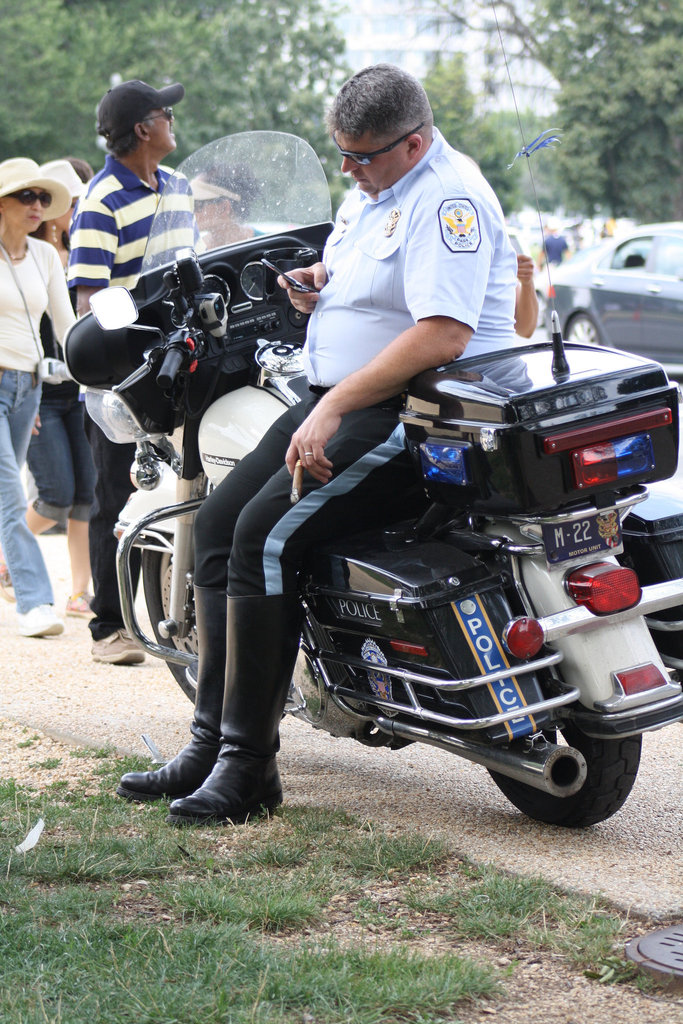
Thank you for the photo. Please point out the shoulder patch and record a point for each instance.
(459, 223)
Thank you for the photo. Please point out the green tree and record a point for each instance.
(490, 139)
(250, 64)
(620, 101)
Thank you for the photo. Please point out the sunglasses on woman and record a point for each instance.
(27, 197)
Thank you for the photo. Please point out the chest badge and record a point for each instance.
(392, 222)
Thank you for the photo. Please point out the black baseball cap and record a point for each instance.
(122, 107)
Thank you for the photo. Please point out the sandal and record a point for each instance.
(78, 605)
(6, 588)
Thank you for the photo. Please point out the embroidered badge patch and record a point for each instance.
(459, 223)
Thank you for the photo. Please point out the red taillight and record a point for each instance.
(604, 588)
(523, 637)
(637, 680)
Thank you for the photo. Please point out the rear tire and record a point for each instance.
(583, 330)
(156, 582)
(612, 769)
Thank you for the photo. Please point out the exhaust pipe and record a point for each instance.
(558, 770)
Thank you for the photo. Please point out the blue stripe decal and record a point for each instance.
(490, 657)
(313, 502)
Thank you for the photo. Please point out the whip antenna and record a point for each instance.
(560, 366)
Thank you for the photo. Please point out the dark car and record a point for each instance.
(626, 293)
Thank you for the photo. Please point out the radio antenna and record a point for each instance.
(560, 366)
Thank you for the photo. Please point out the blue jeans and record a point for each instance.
(60, 460)
(19, 401)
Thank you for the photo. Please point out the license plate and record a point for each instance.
(594, 534)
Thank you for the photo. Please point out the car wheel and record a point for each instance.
(583, 330)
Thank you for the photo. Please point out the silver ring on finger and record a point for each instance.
(306, 454)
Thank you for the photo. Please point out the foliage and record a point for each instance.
(490, 139)
(246, 65)
(620, 101)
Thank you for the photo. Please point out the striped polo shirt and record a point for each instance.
(112, 224)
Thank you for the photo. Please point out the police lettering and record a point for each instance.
(358, 610)
(484, 645)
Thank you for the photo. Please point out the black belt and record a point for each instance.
(395, 402)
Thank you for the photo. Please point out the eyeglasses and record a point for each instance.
(366, 158)
(27, 197)
(167, 112)
(212, 201)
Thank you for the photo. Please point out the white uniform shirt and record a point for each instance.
(434, 244)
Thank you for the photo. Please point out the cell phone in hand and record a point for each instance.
(298, 286)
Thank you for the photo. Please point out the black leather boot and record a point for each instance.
(190, 767)
(263, 641)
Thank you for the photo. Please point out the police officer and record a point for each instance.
(417, 268)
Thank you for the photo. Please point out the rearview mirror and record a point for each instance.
(114, 307)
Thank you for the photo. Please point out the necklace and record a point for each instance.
(16, 259)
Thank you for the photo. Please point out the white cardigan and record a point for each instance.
(41, 277)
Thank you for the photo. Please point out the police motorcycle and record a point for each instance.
(528, 621)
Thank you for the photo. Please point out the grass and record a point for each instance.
(312, 917)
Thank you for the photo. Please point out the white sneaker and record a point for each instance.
(40, 621)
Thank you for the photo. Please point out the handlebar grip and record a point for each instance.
(173, 360)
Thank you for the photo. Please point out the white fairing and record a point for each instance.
(233, 426)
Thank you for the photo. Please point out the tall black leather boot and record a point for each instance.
(263, 641)
(190, 767)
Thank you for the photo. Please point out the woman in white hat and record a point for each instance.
(59, 457)
(31, 281)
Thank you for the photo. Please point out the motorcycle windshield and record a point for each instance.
(236, 188)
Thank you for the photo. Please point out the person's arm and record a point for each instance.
(430, 342)
(59, 304)
(83, 299)
(526, 300)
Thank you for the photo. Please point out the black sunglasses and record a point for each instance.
(366, 158)
(167, 112)
(27, 197)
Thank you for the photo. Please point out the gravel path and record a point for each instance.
(635, 858)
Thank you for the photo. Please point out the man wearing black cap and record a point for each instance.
(108, 238)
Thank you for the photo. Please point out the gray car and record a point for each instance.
(626, 293)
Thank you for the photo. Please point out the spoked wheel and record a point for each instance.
(612, 769)
(156, 581)
(584, 330)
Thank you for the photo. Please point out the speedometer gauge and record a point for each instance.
(252, 281)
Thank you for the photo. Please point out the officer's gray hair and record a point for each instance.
(381, 99)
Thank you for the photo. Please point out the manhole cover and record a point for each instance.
(660, 953)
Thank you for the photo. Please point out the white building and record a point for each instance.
(399, 32)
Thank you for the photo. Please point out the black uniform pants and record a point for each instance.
(112, 490)
(250, 539)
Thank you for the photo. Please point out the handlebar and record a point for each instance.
(173, 360)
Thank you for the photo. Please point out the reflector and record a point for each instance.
(404, 647)
(523, 637)
(644, 677)
(604, 588)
